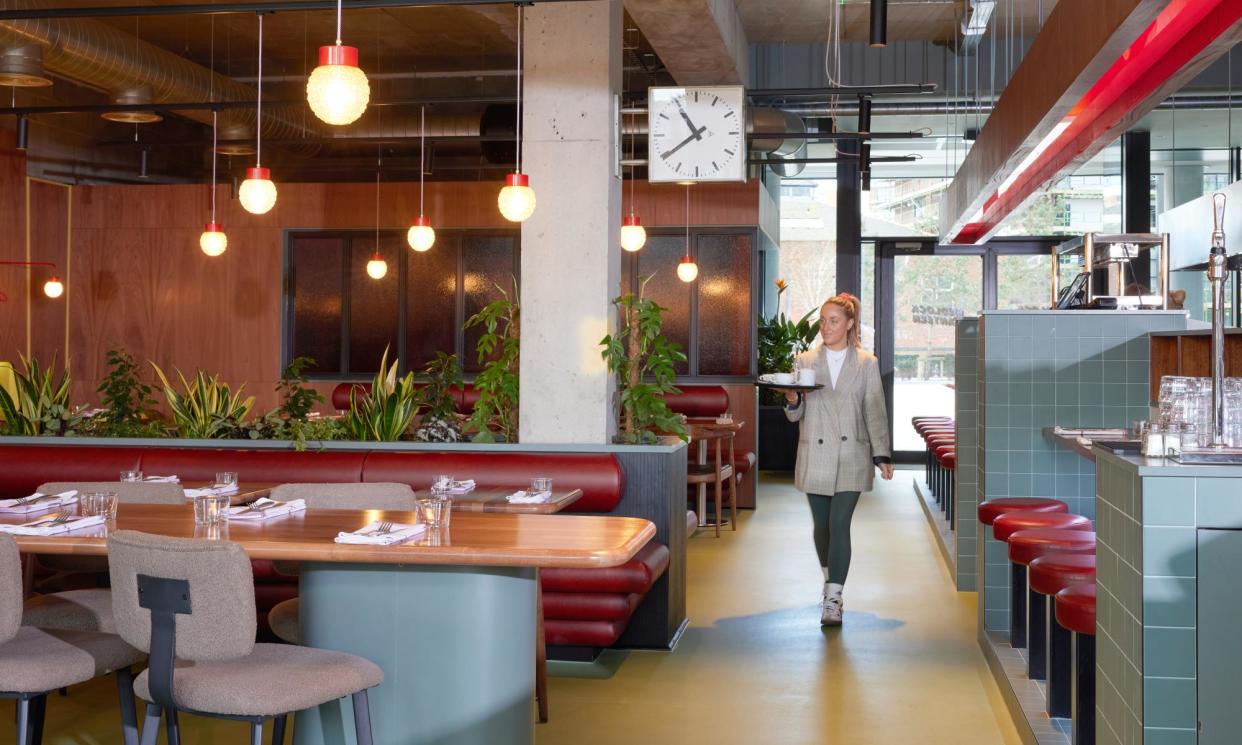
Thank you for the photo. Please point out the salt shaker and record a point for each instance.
(1153, 443)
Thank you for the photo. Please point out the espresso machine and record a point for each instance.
(1113, 271)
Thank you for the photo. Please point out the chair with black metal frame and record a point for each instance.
(190, 602)
(34, 662)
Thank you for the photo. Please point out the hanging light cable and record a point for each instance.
(421, 236)
(516, 199)
(213, 241)
(687, 269)
(633, 234)
(377, 268)
(337, 90)
(257, 193)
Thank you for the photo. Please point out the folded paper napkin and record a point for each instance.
(161, 480)
(530, 497)
(65, 497)
(400, 533)
(264, 508)
(44, 526)
(209, 491)
(459, 487)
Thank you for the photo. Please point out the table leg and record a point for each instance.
(457, 646)
(702, 488)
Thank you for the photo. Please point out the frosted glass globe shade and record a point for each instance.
(687, 270)
(213, 241)
(377, 268)
(337, 90)
(257, 193)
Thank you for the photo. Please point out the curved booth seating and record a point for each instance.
(1025, 546)
(1076, 612)
(599, 475)
(1005, 526)
(694, 401)
(1048, 575)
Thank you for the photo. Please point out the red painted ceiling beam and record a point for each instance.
(1182, 31)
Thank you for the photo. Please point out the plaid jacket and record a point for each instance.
(843, 428)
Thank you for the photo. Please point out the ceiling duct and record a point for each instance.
(974, 27)
(22, 67)
(763, 119)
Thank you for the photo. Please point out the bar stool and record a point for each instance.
(946, 459)
(1005, 526)
(1076, 612)
(1026, 546)
(1048, 575)
(932, 442)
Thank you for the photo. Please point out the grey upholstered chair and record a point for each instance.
(283, 617)
(88, 609)
(190, 603)
(36, 661)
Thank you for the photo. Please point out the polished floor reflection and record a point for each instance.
(754, 666)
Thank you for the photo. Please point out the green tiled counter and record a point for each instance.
(1168, 649)
(1039, 369)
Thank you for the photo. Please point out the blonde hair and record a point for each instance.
(852, 308)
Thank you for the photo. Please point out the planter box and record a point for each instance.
(778, 439)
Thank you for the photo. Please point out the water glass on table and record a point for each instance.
(100, 503)
(541, 484)
(226, 479)
(131, 476)
(436, 510)
(211, 509)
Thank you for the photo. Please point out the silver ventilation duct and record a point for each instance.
(775, 120)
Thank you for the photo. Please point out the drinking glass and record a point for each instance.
(100, 503)
(540, 484)
(211, 509)
(434, 511)
(226, 478)
(131, 475)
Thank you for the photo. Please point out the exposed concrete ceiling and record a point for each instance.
(701, 42)
(908, 20)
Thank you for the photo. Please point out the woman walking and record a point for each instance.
(843, 437)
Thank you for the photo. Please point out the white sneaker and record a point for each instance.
(834, 608)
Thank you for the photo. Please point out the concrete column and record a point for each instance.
(571, 258)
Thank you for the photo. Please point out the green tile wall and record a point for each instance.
(965, 381)
(1119, 604)
(1039, 369)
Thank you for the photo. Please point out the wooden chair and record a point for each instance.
(717, 471)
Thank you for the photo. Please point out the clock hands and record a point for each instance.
(695, 134)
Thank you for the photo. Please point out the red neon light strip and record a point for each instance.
(1181, 31)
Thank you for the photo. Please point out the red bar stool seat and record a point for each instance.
(1005, 526)
(1076, 612)
(1025, 546)
(1048, 575)
(994, 508)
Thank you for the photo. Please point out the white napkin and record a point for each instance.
(530, 497)
(161, 480)
(33, 527)
(264, 508)
(367, 535)
(459, 487)
(65, 497)
(209, 491)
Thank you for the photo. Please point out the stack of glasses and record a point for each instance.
(1188, 401)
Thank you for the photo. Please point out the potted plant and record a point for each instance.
(42, 406)
(205, 408)
(643, 360)
(780, 340)
(495, 416)
(293, 419)
(439, 421)
(386, 413)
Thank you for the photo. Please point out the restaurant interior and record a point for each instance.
(450, 372)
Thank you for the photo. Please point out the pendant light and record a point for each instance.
(337, 90)
(53, 287)
(421, 236)
(213, 241)
(633, 235)
(517, 200)
(257, 193)
(377, 268)
(879, 23)
(687, 269)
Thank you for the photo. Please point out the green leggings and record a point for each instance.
(832, 515)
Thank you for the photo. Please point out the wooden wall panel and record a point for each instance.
(12, 248)
(48, 217)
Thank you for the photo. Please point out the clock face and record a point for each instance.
(696, 134)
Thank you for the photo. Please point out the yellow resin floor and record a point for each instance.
(754, 667)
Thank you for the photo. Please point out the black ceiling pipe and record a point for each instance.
(879, 23)
(864, 115)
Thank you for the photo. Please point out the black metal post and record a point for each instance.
(1017, 605)
(849, 218)
(1136, 195)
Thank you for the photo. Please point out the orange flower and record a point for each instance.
(781, 286)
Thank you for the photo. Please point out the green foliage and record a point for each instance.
(126, 398)
(780, 340)
(436, 397)
(644, 362)
(496, 412)
(275, 426)
(205, 408)
(42, 404)
(386, 414)
(297, 400)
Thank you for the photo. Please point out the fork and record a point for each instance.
(34, 498)
(259, 505)
(383, 528)
(48, 523)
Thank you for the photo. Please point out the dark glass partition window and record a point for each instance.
(341, 317)
(712, 318)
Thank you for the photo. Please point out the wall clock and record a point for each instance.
(696, 133)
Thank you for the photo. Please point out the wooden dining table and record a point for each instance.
(449, 616)
(488, 499)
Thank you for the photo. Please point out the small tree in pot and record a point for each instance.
(643, 360)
